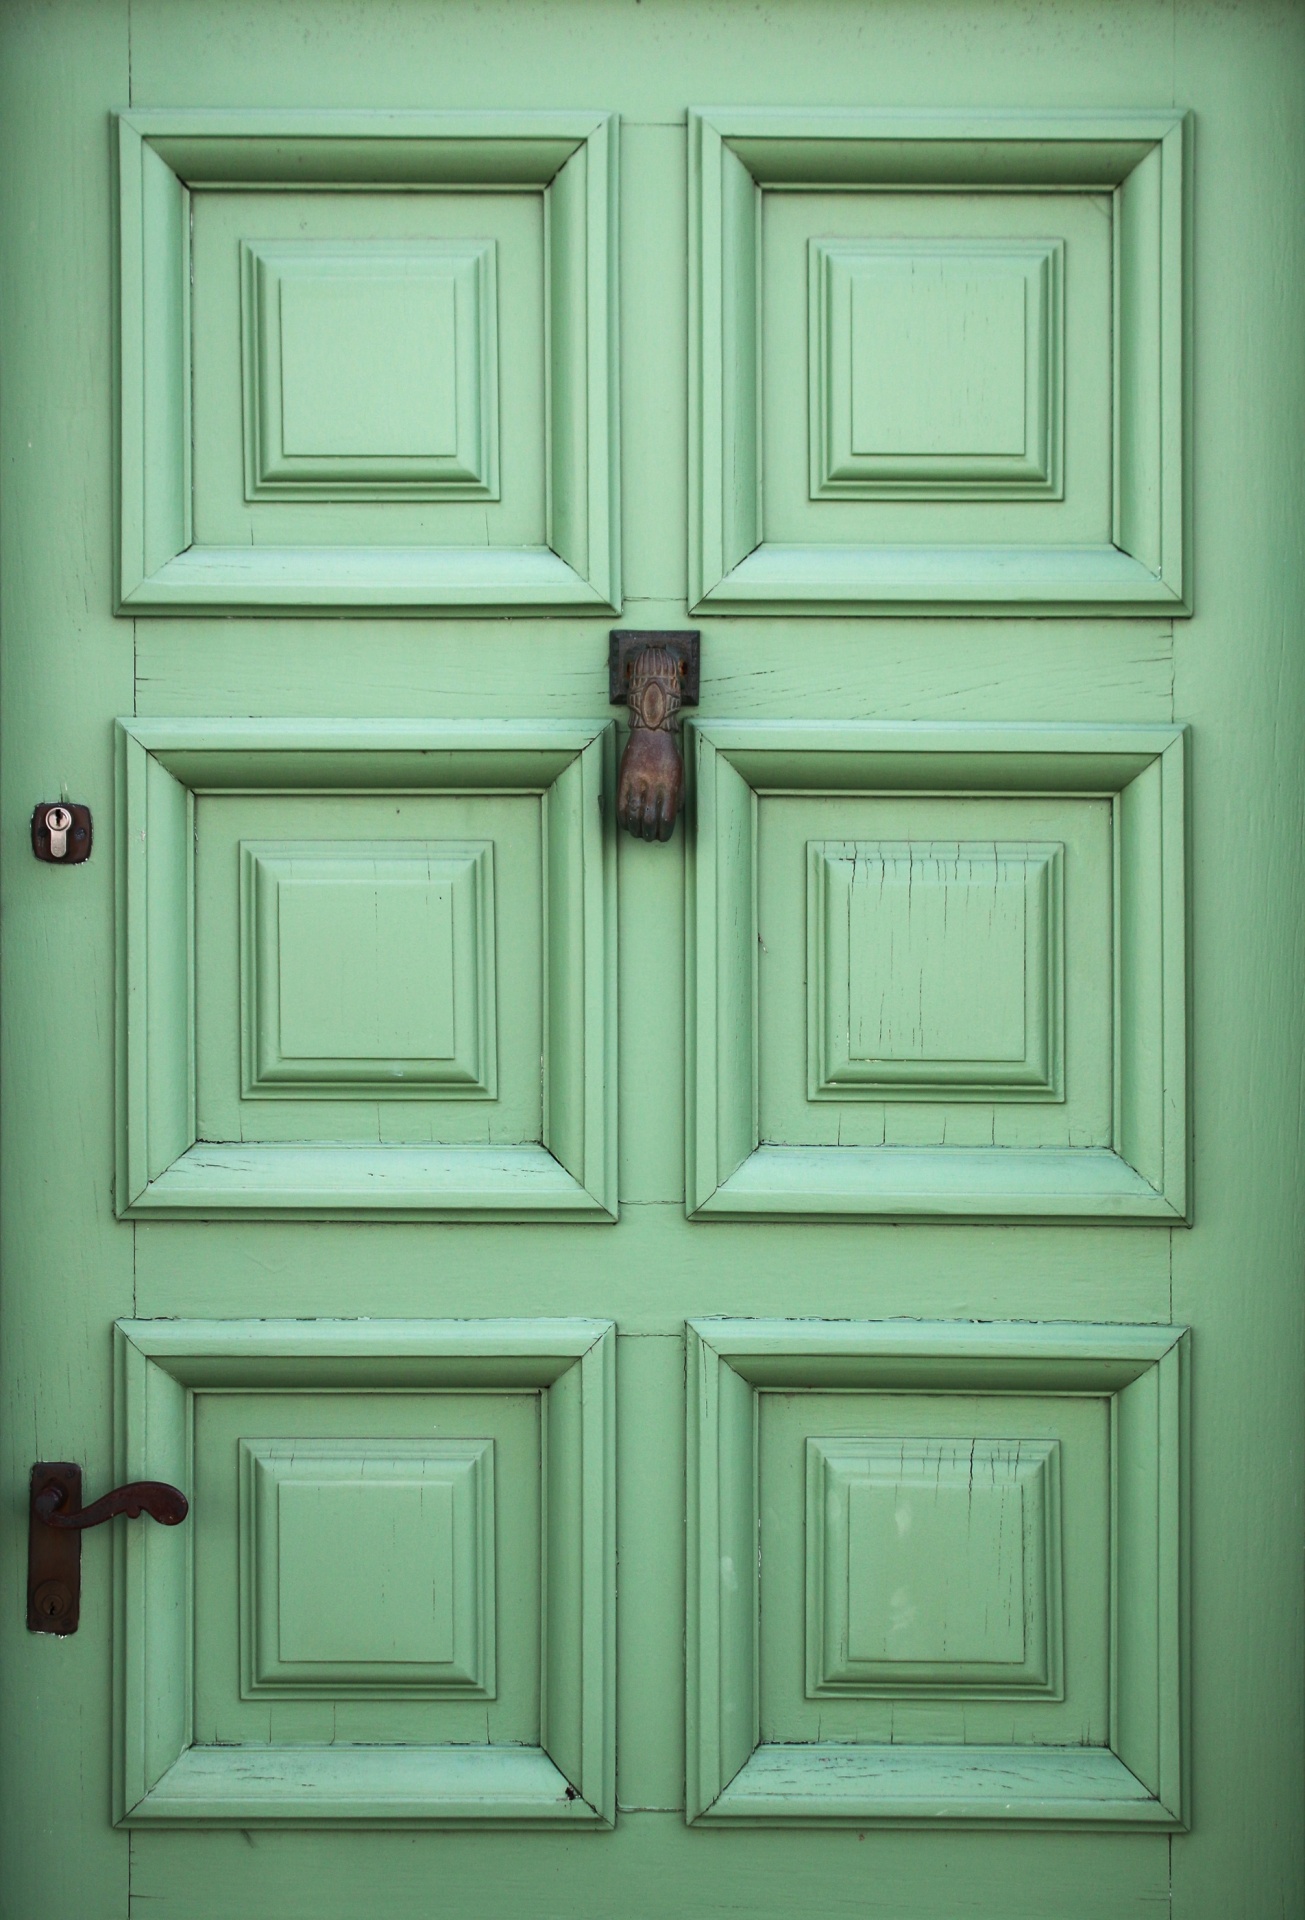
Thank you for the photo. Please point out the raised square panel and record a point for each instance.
(926, 1599)
(424, 323)
(990, 957)
(368, 970)
(371, 370)
(933, 1566)
(928, 1574)
(935, 369)
(393, 1603)
(934, 969)
(991, 312)
(413, 1520)
(354, 1025)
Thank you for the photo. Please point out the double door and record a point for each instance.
(709, 1374)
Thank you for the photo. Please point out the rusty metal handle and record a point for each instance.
(168, 1505)
(56, 1521)
(655, 674)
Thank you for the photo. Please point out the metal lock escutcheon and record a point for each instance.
(62, 833)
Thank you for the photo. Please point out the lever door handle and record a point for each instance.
(56, 1521)
(168, 1505)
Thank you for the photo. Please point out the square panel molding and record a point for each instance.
(298, 1497)
(444, 890)
(1136, 1779)
(985, 317)
(327, 934)
(370, 370)
(741, 766)
(896, 935)
(987, 422)
(415, 1520)
(304, 303)
(883, 1518)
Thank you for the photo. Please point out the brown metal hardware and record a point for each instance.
(61, 833)
(56, 1521)
(54, 1559)
(168, 1505)
(654, 674)
(685, 644)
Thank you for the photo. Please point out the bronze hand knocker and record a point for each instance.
(655, 674)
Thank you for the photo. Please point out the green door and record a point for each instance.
(751, 1374)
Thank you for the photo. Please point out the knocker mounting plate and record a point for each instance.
(626, 642)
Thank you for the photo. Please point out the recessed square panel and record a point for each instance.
(935, 368)
(892, 1618)
(937, 972)
(889, 1620)
(393, 1601)
(412, 1521)
(366, 355)
(937, 362)
(933, 1566)
(934, 969)
(370, 369)
(405, 399)
(368, 969)
(371, 1561)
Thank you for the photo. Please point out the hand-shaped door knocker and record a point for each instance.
(655, 674)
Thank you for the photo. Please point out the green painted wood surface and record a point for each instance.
(756, 1751)
(742, 556)
(169, 161)
(750, 1151)
(1202, 490)
(549, 1146)
(541, 1391)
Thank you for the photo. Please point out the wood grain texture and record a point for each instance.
(67, 1271)
(736, 157)
(735, 1166)
(164, 158)
(1247, 926)
(888, 1876)
(1131, 1777)
(167, 1773)
(1232, 671)
(568, 1169)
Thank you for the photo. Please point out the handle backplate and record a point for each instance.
(56, 1521)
